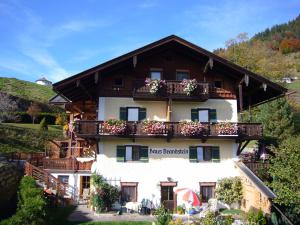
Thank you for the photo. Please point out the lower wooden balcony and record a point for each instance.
(66, 164)
(169, 130)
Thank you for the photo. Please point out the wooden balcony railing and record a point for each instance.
(173, 89)
(245, 131)
(66, 164)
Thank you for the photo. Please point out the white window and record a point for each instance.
(203, 115)
(155, 75)
(133, 114)
(128, 153)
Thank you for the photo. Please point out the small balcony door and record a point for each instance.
(167, 194)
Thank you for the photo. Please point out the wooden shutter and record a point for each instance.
(123, 113)
(121, 152)
(144, 154)
(215, 154)
(213, 115)
(194, 114)
(193, 154)
(142, 113)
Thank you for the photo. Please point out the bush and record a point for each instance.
(43, 124)
(229, 190)
(61, 119)
(31, 206)
(24, 117)
(162, 215)
(256, 217)
(209, 219)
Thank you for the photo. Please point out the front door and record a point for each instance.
(167, 194)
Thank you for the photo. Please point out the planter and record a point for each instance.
(153, 127)
(156, 86)
(190, 128)
(189, 86)
(114, 127)
(226, 129)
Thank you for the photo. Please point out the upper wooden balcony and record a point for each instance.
(94, 129)
(174, 90)
(64, 164)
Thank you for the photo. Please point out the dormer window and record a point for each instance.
(218, 84)
(182, 74)
(155, 74)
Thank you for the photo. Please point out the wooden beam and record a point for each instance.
(134, 61)
(85, 91)
(241, 97)
(242, 147)
(77, 83)
(209, 63)
(96, 77)
(246, 78)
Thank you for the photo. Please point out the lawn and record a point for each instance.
(294, 85)
(117, 223)
(35, 126)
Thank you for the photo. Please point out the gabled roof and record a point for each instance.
(59, 86)
(59, 100)
(255, 180)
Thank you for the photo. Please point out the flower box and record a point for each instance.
(155, 85)
(153, 127)
(191, 128)
(226, 128)
(114, 126)
(189, 86)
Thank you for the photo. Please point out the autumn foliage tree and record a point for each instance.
(34, 110)
(289, 45)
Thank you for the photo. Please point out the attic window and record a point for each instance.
(218, 84)
(155, 74)
(118, 82)
(181, 75)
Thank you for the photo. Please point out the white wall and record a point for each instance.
(159, 168)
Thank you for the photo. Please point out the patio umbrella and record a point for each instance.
(188, 195)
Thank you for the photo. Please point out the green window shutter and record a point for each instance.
(142, 113)
(213, 115)
(193, 154)
(215, 154)
(121, 152)
(123, 113)
(144, 154)
(194, 114)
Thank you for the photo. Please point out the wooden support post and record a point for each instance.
(241, 97)
(209, 63)
(134, 61)
(169, 110)
(96, 77)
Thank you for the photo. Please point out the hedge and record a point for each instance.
(24, 117)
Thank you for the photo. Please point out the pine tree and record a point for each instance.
(277, 119)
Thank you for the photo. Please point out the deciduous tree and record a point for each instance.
(8, 108)
(34, 110)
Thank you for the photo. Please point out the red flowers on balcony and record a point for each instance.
(153, 127)
(226, 128)
(114, 126)
(191, 128)
(155, 85)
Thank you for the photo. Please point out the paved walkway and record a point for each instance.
(83, 214)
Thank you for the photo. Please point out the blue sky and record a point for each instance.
(58, 39)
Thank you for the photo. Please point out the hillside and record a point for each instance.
(26, 90)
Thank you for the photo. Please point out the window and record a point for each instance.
(85, 183)
(181, 75)
(207, 190)
(63, 178)
(118, 82)
(132, 113)
(167, 194)
(204, 153)
(218, 84)
(155, 75)
(204, 115)
(132, 153)
(129, 191)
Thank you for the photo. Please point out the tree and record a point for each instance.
(229, 190)
(277, 119)
(285, 170)
(34, 110)
(8, 108)
(43, 124)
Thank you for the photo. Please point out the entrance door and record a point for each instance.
(167, 194)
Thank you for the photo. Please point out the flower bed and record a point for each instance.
(114, 126)
(155, 85)
(226, 128)
(153, 127)
(189, 86)
(191, 128)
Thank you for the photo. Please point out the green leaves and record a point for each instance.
(229, 190)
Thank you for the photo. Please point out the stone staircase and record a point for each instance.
(49, 183)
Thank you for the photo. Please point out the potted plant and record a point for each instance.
(180, 210)
(226, 128)
(153, 127)
(114, 126)
(155, 85)
(191, 128)
(189, 86)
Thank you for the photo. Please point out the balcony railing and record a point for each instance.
(246, 131)
(66, 164)
(173, 89)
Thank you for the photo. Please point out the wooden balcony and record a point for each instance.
(94, 129)
(173, 89)
(66, 164)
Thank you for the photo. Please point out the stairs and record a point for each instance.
(48, 182)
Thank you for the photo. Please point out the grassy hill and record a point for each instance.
(26, 90)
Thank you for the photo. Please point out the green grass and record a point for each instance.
(294, 85)
(232, 211)
(26, 90)
(117, 223)
(54, 128)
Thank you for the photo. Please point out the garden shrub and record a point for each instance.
(31, 206)
(43, 124)
(256, 217)
(162, 215)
